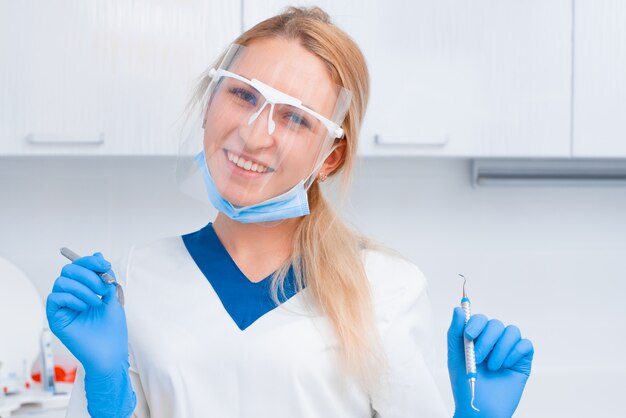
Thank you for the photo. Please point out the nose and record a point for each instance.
(257, 131)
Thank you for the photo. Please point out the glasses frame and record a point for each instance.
(273, 96)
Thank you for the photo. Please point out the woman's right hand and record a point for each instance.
(92, 328)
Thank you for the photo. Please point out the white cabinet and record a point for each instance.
(599, 126)
(104, 77)
(459, 78)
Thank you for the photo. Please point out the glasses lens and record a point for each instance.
(237, 98)
(240, 99)
(298, 123)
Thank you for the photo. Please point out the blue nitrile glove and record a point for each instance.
(94, 330)
(503, 362)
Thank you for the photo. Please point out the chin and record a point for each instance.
(242, 198)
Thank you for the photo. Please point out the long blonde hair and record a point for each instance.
(327, 254)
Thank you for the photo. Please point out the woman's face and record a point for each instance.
(249, 160)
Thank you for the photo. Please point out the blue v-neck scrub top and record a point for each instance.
(245, 301)
(204, 341)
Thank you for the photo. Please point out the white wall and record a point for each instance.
(546, 259)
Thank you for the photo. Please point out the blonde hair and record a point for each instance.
(327, 254)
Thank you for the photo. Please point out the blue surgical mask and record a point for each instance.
(291, 204)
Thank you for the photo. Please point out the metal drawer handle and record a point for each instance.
(65, 140)
(441, 143)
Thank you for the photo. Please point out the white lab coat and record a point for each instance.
(189, 359)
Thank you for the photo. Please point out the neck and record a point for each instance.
(256, 241)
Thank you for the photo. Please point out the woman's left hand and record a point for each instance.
(503, 362)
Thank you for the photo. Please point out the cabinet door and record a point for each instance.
(104, 77)
(459, 78)
(599, 78)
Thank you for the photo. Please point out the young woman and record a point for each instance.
(277, 308)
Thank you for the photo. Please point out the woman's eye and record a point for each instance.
(244, 95)
(299, 119)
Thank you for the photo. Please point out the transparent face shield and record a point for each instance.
(260, 131)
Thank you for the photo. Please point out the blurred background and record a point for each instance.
(494, 146)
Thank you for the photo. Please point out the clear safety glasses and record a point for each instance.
(287, 115)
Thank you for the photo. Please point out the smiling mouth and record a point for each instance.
(247, 165)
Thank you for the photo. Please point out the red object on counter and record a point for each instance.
(60, 375)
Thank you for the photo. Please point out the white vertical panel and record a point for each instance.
(118, 70)
(459, 78)
(600, 78)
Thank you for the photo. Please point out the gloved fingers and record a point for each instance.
(487, 339)
(111, 289)
(523, 349)
(59, 300)
(456, 356)
(475, 326)
(85, 276)
(503, 347)
(79, 290)
(109, 271)
(111, 296)
(455, 332)
(94, 262)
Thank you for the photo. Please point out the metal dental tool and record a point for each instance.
(470, 356)
(107, 278)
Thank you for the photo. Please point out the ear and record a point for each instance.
(335, 159)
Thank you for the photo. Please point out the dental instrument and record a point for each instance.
(470, 355)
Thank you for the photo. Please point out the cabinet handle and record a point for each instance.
(441, 143)
(65, 140)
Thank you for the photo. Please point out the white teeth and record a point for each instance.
(246, 165)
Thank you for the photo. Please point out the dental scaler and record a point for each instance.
(470, 355)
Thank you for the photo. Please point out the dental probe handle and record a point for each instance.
(107, 278)
(470, 355)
